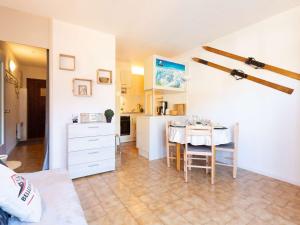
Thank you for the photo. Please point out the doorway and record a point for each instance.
(25, 104)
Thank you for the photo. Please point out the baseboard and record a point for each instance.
(290, 181)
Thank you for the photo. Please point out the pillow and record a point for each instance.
(4, 216)
(18, 197)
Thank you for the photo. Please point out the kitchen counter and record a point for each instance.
(128, 113)
(150, 135)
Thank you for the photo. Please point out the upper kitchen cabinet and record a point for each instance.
(126, 78)
(164, 74)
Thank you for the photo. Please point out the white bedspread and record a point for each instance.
(61, 205)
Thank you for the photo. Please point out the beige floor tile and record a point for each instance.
(148, 192)
(104, 220)
(139, 210)
(94, 213)
(149, 219)
(196, 216)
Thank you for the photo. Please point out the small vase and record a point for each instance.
(108, 119)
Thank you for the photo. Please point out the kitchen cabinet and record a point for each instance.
(126, 78)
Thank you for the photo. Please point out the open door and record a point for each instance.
(36, 107)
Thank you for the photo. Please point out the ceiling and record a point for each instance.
(29, 56)
(166, 27)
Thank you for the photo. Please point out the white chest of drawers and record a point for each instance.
(91, 149)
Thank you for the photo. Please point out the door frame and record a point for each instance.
(2, 120)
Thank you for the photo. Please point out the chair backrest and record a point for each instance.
(194, 130)
(168, 123)
(236, 131)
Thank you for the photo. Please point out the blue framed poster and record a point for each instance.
(169, 74)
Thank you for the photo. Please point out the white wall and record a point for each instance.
(93, 50)
(33, 72)
(269, 120)
(24, 28)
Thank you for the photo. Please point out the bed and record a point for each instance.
(60, 202)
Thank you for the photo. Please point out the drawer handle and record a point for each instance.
(92, 153)
(93, 165)
(93, 127)
(93, 139)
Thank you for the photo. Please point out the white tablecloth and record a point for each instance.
(221, 136)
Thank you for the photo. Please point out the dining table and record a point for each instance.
(222, 135)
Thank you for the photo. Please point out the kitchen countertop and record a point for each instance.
(126, 113)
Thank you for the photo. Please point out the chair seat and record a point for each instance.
(225, 146)
(199, 149)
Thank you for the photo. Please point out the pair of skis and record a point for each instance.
(238, 74)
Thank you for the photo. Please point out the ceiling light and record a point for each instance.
(12, 66)
(137, 70)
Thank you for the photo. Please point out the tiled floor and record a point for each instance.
(143, 192)
(30, 153)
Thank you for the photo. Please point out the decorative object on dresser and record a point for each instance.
(104, 76)
(109, 115)
(82, 87)
(91, 117)
(91, 148)
(66, 62)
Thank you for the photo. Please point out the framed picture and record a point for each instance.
(104, 76)
(82, 87)
(66, 62)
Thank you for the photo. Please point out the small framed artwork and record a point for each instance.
(82, 87)
(66, 62)
(104, 76)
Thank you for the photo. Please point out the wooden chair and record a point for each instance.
(232, 148)
(193, 153)
(170, 152)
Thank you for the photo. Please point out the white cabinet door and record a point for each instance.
(126, 78)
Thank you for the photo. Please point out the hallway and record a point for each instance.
(30, 153)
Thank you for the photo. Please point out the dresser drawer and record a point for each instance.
(90, 130)
(91, 155)
(77, 144)
(91, 168)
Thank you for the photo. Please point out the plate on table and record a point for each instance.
(180, 125)
(219, 127)
(177, 124)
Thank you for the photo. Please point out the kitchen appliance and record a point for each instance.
(162, 107)
(125, 125)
